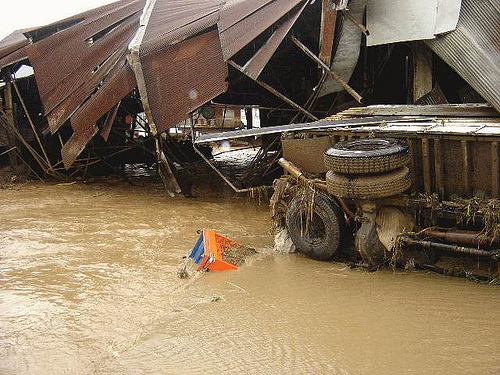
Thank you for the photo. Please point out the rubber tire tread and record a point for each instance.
(369, 186)
(333, 219)
(384, 159)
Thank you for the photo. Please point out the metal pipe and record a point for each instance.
(297, 173)
(470, 238)
(428, 245)
(363, 29)
(335, 76)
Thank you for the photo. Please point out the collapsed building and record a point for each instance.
(155, 80)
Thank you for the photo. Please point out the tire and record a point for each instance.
(369, 187)
(367, 156)
(325, 229)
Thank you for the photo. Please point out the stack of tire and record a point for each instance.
(368, 168)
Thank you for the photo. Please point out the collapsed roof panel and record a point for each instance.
(12, 43)
(183, 77)
(244, 30)
(172, 21)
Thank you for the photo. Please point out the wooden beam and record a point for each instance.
(422, 70)
(466, 167)
(426, 165)
(327, 32)
(439, 167)
(274, 91)
(495, 171)
(335, 76)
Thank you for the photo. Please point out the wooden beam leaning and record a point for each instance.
(23, 104)
(335, 76)
(495, 172)
(274, 91)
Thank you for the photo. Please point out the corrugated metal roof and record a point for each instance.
(473, 49)
(172, 21)
(183, 77)
(243, 30)
(257, 63)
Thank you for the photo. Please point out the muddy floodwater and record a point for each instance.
(88, 285)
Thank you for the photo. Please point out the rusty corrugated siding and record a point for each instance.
(183, 77)
(473, 49)
(240, 33)
(116, 86)
(174, 21)
(65, 61)
(12, 43)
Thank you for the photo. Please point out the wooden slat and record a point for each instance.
(427, 165)
(327, 33)
(495, 175)
(466, 167)
(439, 167)
(413, 167)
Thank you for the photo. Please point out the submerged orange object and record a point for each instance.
(208, 252)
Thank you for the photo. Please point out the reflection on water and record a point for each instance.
(88, 286)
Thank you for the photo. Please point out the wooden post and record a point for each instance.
(495, 175)
(422, 70)
(466, 167)
(9, 114)
(439, 167)
(426, 165)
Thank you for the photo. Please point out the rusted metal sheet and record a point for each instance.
(14, 57)
(256, 64)
(116, 86)
(473, 49)
(72, 60)
(236, 10)
(76, 144)
(183, 77)
(108, 123)
(239, 34)
(12, 43)
(173, 21)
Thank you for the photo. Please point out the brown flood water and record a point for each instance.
(88, 285)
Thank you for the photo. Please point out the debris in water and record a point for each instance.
(214, 252)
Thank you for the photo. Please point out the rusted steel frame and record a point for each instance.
(274, 91)
(495, 173)
(32, 124)
(470, 238)
(335, 76)
(426, 164)
(351, 18)
(428, 245)
(439, 167)
(466, 166)
(327, 32)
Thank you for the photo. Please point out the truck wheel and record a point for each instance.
(367, 156)
(369, 187)
(320, 237)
